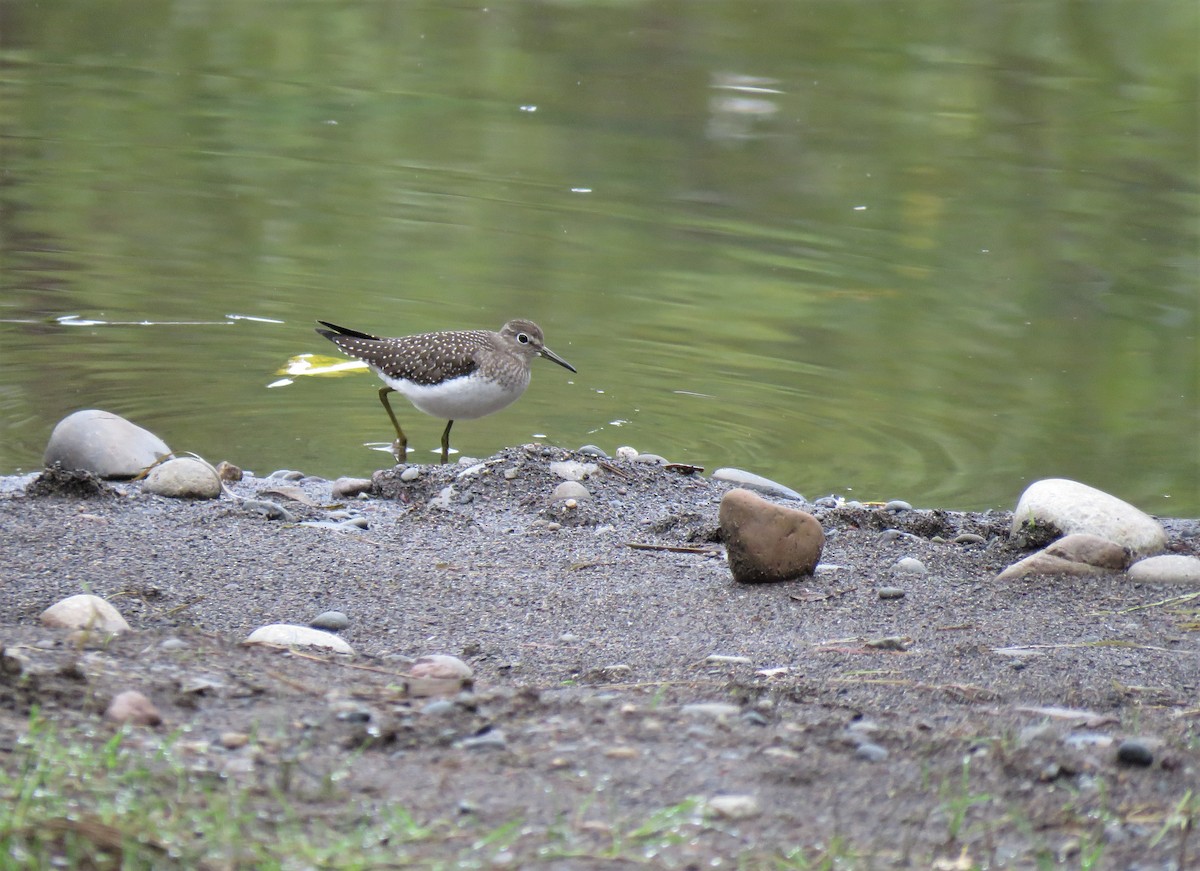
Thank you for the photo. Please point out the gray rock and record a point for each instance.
(756, 482)
(85, 611)
(330, 621)
(910, 566)
(1169, 569)
(651, 459)
(890, 593)
(714, 710)
(871, 752)
(571, 490)
(1134, 751)
(134, 708)
(734, 807)
(103, 443)
(593, 451)
(493, 739)
(268, 509)
(349, 488)
(897, 505)
(1071, 507)
(184, 478)
(410, 474)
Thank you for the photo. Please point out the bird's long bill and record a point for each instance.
(550, 355)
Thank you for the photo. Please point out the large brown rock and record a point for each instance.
(768, 542)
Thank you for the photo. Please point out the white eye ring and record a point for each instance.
(523, 338)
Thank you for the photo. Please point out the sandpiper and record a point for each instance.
(452, 375)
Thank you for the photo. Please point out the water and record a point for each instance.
(931, 250)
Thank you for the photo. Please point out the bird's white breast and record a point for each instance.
(463, 398)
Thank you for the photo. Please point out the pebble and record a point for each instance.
(571, 490)
(85, 611)
(968, 538)
(510, 474)
(1072, 507)
(734, 807)
(285, 475)
(268, 509)
(234, 740)
(173, 644)
(331, 621)
(766, 542)
(714, 710)
(493, 739)
(890, 593)
(651, 459)
(720, 659)
(871, 752)
(228, 472)
(349, 488)
(183, 478)
(756, 482)
(410, 474)
(441, 666)
(1169, 569)
(133, 707)
(103, 443)
(593, 451)
(625, 452)
(439, 708)
(897, 505)
(291, 635)
(910, 566)
(1134, 751)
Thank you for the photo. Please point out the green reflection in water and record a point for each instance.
(932, 250)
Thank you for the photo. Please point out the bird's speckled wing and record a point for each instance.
(429, 358)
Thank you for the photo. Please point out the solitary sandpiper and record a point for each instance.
(453, 375)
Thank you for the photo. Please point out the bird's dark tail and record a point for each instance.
(334, 331)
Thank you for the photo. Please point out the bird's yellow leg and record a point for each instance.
(400, 446)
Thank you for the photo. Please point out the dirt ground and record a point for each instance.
(967, 723)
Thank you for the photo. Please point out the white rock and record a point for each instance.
(133, 707)
(85, 612)
(1071, 507)
(104, 443)
(571, 490)
(716, 710)
(1169, 569)
(184, 478)
(734, 807)
(571, 470)
(910, 566)
(290, 635)
(441, 666)
(756, 482)
(625, 452)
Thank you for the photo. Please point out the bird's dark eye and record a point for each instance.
(523, 338)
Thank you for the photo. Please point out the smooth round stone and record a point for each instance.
(1076, 554)
(651, 459)
(896, 506)
(285, 475)
(1072, 507)
(183, 478)
(173, 644)
(593, 451)
(133, 707)
(755, 482)
(268, 509)
(330, 621)
(410, 474)
(891, 593)
(734, 807)
(85, 611)
(290, 635)
(1168, 569)
(870, 752)
(103, 443)
(625, 452)
(911, 566)
(349, 488)
(441, 666)
(571, 490)
(1133, 751)
(968, 538)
